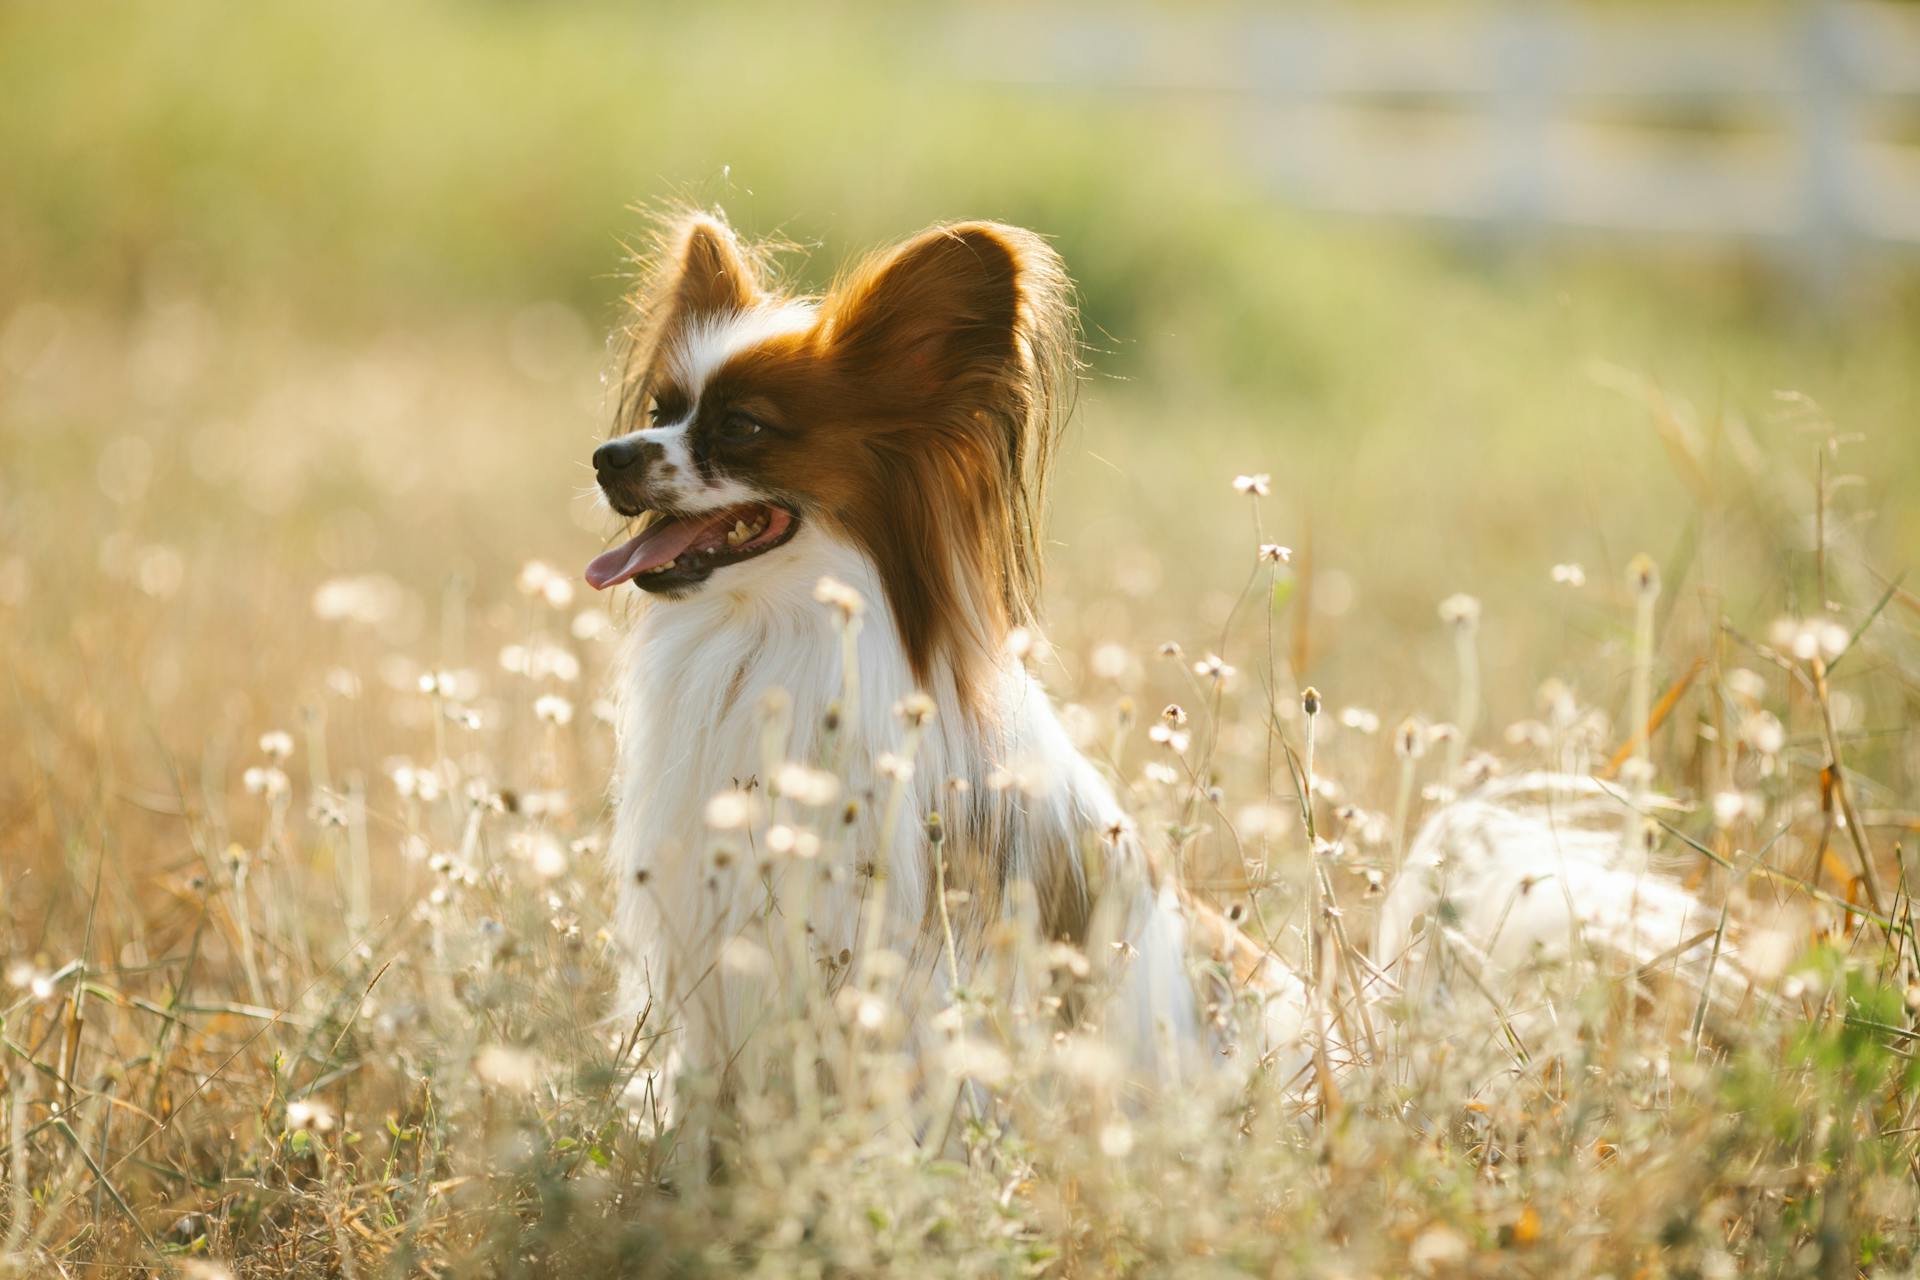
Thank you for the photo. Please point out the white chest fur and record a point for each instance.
(719, 690)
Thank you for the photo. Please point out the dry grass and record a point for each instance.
(305, 928)
(303, 958)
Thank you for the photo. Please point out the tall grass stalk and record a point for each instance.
(1643, 581)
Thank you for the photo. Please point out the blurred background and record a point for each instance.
(303, 316)
(302, 294)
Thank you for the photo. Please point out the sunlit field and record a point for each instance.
(304, 706)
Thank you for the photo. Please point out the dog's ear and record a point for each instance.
(952, 354)
(696, 269)
(715, 275)
(936, 309)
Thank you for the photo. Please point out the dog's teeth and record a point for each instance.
(739, 533)
(662, 568)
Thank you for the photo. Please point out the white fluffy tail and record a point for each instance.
(1510, 889)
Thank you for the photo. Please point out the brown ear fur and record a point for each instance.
(936, 377)
(960, 345)
(696, 269)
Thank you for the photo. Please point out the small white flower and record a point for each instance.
(730, 810)
(265, 781)
(1569, 575)
(1460, 610)
(312, 1116)
(590, 624)
(1259, 484)
(840, 596)
(276, 744)
(328, 811)
(1731, 806)
(1764, 733)
(1815, 638)
(413, 783)
(867, 1012)
(1111, 661)
(802, 785)
(788, 842)
(1360, 720)
(534, 577)
(553, 709)
(548, 859)
(1643, 575)
(1274, 553)
(1174, 740)
(915, 709)
(23, 976)
(892, 766)
(1213, 667)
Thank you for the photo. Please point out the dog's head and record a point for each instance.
(910, 413)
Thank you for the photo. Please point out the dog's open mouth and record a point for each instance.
(676, 551)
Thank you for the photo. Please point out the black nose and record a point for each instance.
(616, 455)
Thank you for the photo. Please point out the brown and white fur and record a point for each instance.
(892, 437)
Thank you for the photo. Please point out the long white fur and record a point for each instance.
(1509, 888)
(1522, 869)
(700, 674)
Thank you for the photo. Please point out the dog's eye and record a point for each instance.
(740, 426)
(668, 407)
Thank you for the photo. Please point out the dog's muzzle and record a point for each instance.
(621, 466)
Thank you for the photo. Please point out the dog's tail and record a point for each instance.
(1518, 892)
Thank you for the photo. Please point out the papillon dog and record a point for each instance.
(842, 501)
(831, 751)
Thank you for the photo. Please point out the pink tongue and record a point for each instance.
(655, 546)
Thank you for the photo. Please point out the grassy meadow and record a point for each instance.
(303, 721)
